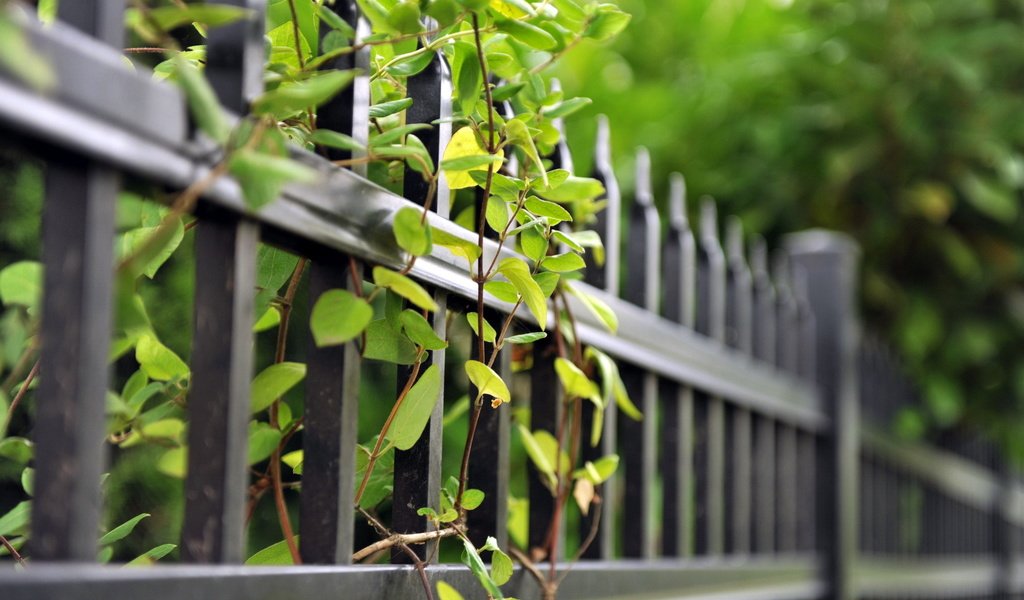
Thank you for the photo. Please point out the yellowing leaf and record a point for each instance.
(464, 143)
(519, 275)
(487, 382)
(404, 287)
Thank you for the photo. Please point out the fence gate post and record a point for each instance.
(830, 262)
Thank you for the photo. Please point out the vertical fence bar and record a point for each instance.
(418, 470)
(330, 429)
(738, 315)
(488, 465)
(830, 262)
(679, 263)
(348, 111)
(78, 241)
(786, 361)
(805, 369)
(638, 438)
(545, 405)
(709, 418)
(764, 479)
(218, 408)
(604, 277)
(1004, 539)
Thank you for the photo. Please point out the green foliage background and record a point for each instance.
(899, 122)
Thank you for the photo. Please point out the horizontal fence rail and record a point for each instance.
(745, 366)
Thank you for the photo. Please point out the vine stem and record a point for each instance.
(275, 457)
(14, 552)
(375, 454)
(480, 280)
(21, 394)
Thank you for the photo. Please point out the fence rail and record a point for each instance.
(750, 378)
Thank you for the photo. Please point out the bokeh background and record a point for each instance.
(900, 122)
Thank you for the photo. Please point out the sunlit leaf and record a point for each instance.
(487, 382)
(273, 382)
(414, 413)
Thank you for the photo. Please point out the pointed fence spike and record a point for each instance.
(708, 220)
(677, 202)
(643, 177)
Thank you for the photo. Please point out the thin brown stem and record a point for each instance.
(21, 394)
(14, 552)
(296, 34)
(375, 454)
(408, 539)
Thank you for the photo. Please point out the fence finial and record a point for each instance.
(708, 219)
(758, 255)
(677, 202)
(734, 239)
(643, 177)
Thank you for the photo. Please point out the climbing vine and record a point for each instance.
(506, 192)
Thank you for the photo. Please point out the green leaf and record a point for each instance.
(611, 383)
(472, 559)
(21, 283)
(121, 531)
(414, 413)
(28, 480)
(407, 67)
(566, 108)
(383, 342)
(335, 22)
(158, 361)
(397, 134)
(333, 139)
(456, 245)
(294, 460)
(533, 242)
(467, 77)
(990, 198)
(597, 306)
(531, 35)
(518, 134)
(501, 567)
(146, 249)
(447, 592)
(263, 439)
(575, 382)
(294, 96)
(411, 232)
(574, 189)
(386, 109)
(599, 470)
(526, 338)
(338, 316)
(519, 275)
(202, 101)
(274, 554)
(425, 165)
(174, 462)
(502, 290)
(607, 23)
(539, 455)
(271, 318)
(404, 287)
(15, 522)
(152, 555)
(211, 15)
(168, 429)
(420, 331)
(274, 382)
(489, 333)
(472, 499)
(544, 208)
(380, 483)
(505, 92)
(262, 175)
(405, 17)
(564, 263)
(487, 382)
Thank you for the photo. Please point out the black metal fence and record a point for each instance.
(747, 480)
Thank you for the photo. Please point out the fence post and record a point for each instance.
(1005, 537)
(830, 261)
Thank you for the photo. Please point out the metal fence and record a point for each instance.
(747, 480)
